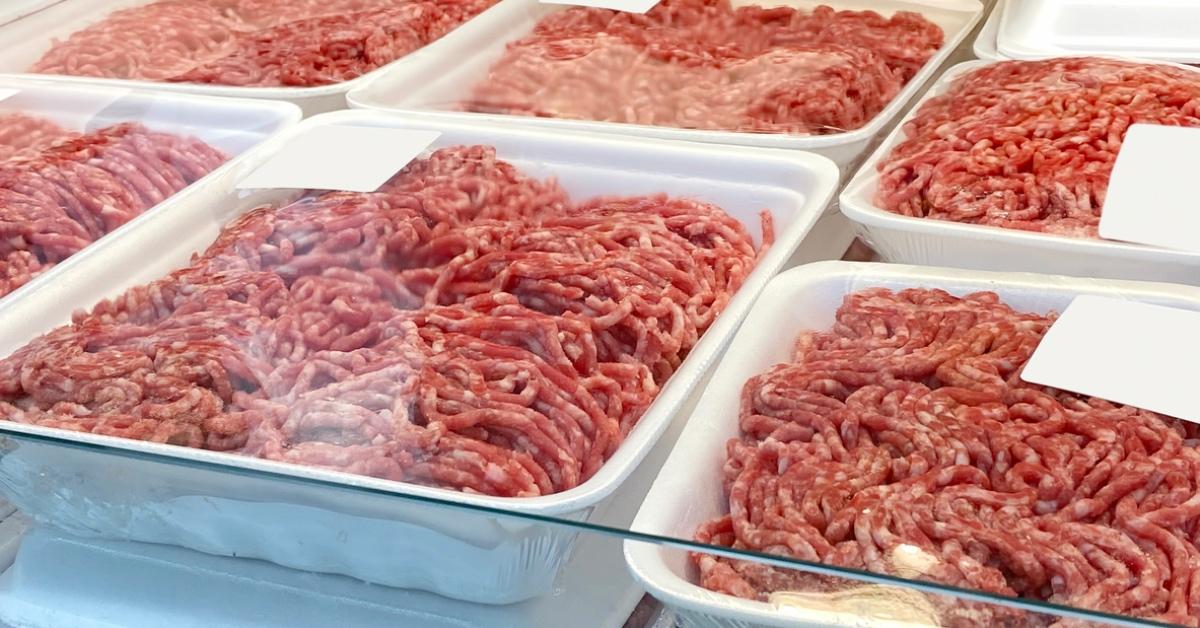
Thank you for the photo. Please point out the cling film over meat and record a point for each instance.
(703, 64)
(902, 441)
(465, 327)
(299, 43)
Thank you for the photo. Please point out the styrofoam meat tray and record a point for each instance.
(24, 41)
(308, 518)
(436, 82)
(16, 9)
(912, 240)
(688, 490)
(985, 41)
(1150, 29)
(233, 126)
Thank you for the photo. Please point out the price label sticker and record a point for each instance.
(1127, 352)
(335, 157)
(1151, 197)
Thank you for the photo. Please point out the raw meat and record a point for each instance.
(905, 432)
(23, 136)
(465, 327)
(255, 42)
(703, 64)
(60, 191)
(1030, 144)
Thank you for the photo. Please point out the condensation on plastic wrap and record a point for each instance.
(479, 330)
(923, 198)
(798, 75)
(77, 164)
(700, 488)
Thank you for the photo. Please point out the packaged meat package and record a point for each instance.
(307, 52)
(894, 373)
(924, 198)
(78, 163)
(508, 324)
(819, 76)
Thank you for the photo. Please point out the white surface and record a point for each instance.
(1149, 29)
(336, 157)
(944, 243)
(26, 40)
(1153, 163)
(146, 498)
(628, 6)
(437, 82)
(1145, 361)
(984, 46)
(16, 9)
(688, 490)
(233, 126)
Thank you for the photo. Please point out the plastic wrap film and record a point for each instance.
(78, 163)
(825, 77)
(479, 330)
(718, 486)
(1061, 203)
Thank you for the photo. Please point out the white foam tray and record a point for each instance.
(439, 81)
(689, 491)
(16, 9)
(26, 40)
(234, 126)
(912, 240)
(984, 46)
(214, 502)
(1165, 30)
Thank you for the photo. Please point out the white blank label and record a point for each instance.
(1123, 351)
(1152, 194)
(334, 157)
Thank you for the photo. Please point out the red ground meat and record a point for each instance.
(1030, 144)
(906, 428)
(255, 42)
(60, 191)
(465, 327)
(23, 136)
(703, 64)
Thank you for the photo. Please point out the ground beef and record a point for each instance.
(24, 136)
(255, 42)
(464, 327)
(1030, 144)
(703, 64)
(905, 430)
(60, 191)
